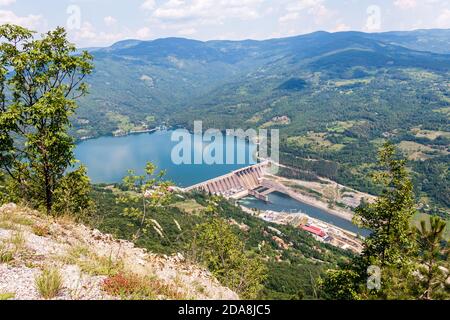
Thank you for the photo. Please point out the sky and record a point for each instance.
(93, 23)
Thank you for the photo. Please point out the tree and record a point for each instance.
(73, 194)
(433, 255)
(216, 246)
(145, 193)
(390, 246)
(388, 217)
(40, 80)
(340, 285)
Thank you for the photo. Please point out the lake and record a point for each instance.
(108, 159)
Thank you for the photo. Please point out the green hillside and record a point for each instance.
(341, 93)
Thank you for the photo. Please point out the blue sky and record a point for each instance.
(103, 22)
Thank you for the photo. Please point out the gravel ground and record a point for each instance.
(38, 252)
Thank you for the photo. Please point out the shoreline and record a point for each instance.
(341, 213)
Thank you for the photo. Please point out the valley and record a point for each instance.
(133, 142)
(335, 97)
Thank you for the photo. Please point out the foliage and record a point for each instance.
(7, 296)
(286, 279)
(49, 283)
(216, 246)
(144, 193)
(433, 260)
(134, 287)
(388, 217)
(40, 79)
(72, 195)
(340, 285)
(392, 246)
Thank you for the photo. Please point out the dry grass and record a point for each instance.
(128, 286)
(41, 230)
(11, 248)
(7, 296)
(17, 240)
(49, 283)
(92, 263)
(12, 220)
(6, 255)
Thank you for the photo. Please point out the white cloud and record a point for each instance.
(6, 2)
(148, 5)
(443, 20)
(405, 4)
(143, 33)
(30, 21)
(187, 31)
(109, 21)
(186, 17)
(299, 5)
(88, 35)
(208, 10)
(86, 31)
(313, 8)
(290, 16)
(341, 27)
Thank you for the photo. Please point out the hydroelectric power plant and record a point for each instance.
(238, 184)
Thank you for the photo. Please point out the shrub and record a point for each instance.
(7, 296)
(93, 264)
(17, 240)
(216, 246)
(41, 230)
(6, 256)
(134, 287)
(49, 283)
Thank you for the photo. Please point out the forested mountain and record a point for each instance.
(335, 97)
(436, 40)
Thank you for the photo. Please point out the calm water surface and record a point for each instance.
(108, 159)
(281, 202)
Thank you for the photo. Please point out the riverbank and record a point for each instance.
(280, 184)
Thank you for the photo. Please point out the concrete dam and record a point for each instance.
(237, 184)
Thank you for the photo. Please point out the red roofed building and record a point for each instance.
(314, 230)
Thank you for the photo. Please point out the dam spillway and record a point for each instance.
(237, 184)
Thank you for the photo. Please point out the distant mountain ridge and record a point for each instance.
(432, 40)
(161, 76)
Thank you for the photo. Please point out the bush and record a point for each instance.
(134, 287)
(72, 196)
(7, 296)
(41, 230)
(6, 256)
(222, 252)
(49, 283)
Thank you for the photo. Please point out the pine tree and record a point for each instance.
(390, 246)
(432, 261)
(388, 217)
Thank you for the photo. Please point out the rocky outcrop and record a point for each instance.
(31, 242)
